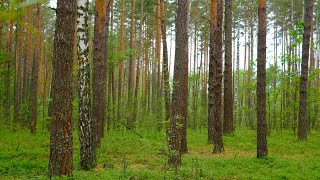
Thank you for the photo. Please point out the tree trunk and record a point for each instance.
(61, 136)
(87, 149)
(99, 69)
(194, 87)
(275, 64)
(27, 56)
(237, 79)
(165, 65)
(18, 74)
(35, 72)
(146, 93)
(158, 58)
(8, 79)
(228, 96)
(248, 93)
(121, 62)
(262, 149)
(180, 87)
(205, 80)
(135, 105)
(215, 75)
(132, 61)
(302, 124)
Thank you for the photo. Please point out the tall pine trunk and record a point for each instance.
(99, 70)
(18, 73)
(165, 65)
(61, 135)
(302, 124)
(8, 78)
(228, 96)
(35, 72)
(262, 149)
(132, 61)
(215, 76)
(177, 140)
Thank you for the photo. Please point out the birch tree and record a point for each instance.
(87, 150)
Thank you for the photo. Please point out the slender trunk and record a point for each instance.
(147, 76)
(165, 65)
(27, 56)
(158, 57)
(18, 74)
(275, 73)
(312, 117)
(237, 79)
(194, 87)
(205, 78)
(87, 149)
(8, 79)
(215, 75)
(177, 140)
(121, 63)
(228, 96)
(135, 106)
(132, 61)
(262, 149)
(35, 72)
(99, 75)
(243, 97)
(302, 124)
(250, 40)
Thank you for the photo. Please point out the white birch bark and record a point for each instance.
(87, 149)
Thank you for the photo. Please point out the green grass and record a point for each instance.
(23, 156)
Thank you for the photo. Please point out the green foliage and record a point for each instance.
(123, 155)
(11, 14)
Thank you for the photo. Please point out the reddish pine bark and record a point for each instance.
(262, 149)
(61, 135)
(177, 140)
(302, 124)
(35, 72)
(228, 95)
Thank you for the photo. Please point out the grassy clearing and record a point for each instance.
(124, 155)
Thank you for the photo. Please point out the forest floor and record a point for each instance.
(124, 155)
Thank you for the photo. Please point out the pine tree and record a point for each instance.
(61, 135)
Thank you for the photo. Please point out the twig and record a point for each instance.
(54, 9)
(131, 129)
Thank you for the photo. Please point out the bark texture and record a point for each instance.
(302, 123)
(18, 73)
(35, 72)
(165, 65)
(8, 78)
(135, 104)
(215, 75)
(87, 149)
(262, 149)
(132, 61)
(61, 138)
(99, 70)
(180, 86)
(228, 96)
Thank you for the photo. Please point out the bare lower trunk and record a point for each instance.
(262, 149)
(87, 148)
(302, 124)
(228, 96)
(61, 135)
(35, 72)
(177, 140)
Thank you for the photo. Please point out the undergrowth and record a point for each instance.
(124, 155)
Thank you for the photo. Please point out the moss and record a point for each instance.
(23, 156)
